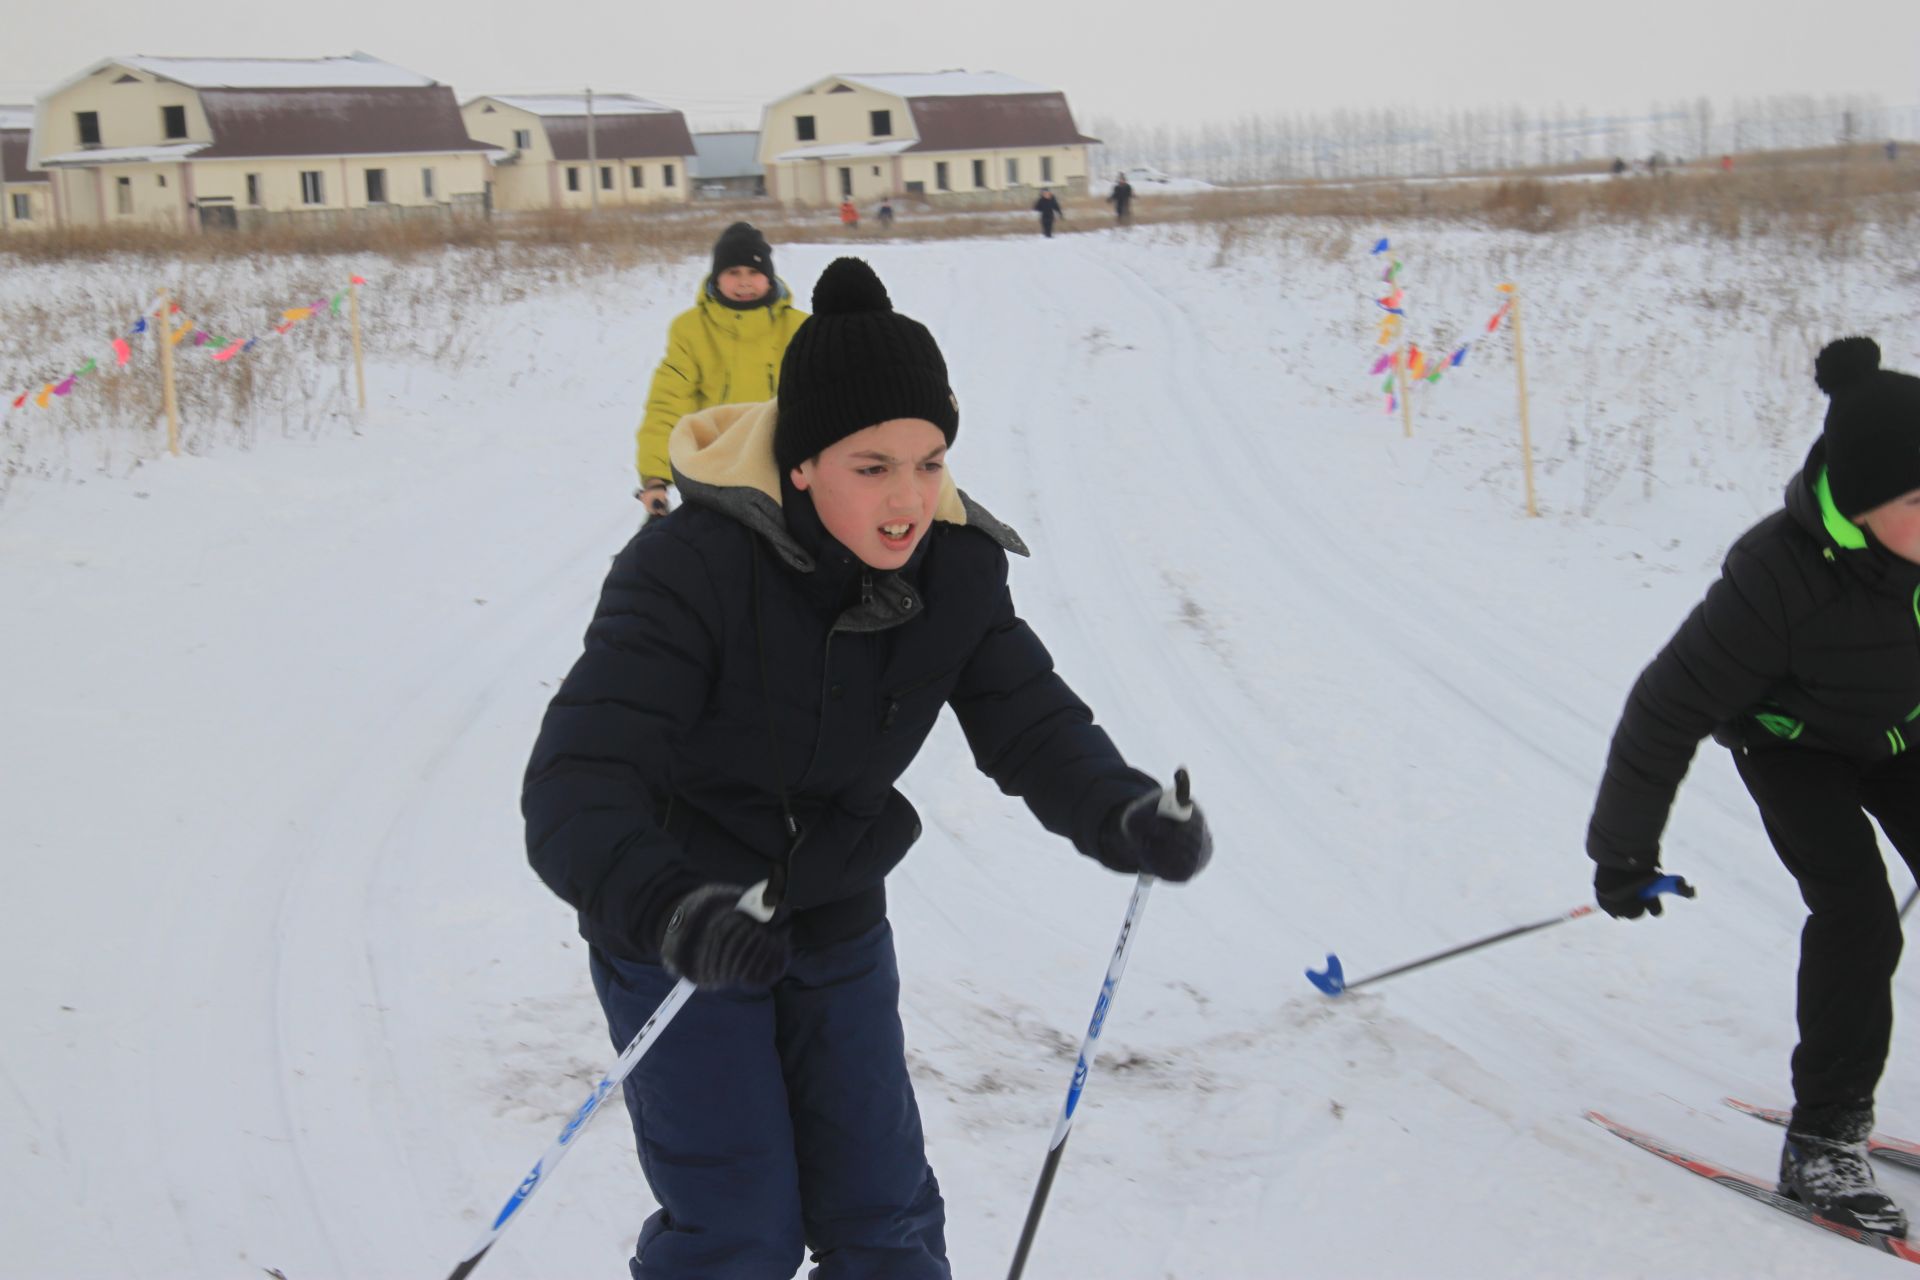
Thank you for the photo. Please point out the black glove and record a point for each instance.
(1618, 891)
(1136, 834)
(710, 942)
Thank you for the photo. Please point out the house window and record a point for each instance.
(426, 183)
(523, 139)
(1046, 169)
(88, 123)
(253, 189)
(606, 177)
(174, 121)
(123, 195)
(1013, 172)
(573, 177)
(312, 188)
(882, 123)
(22, 207)
(639, 176)
(940, 182)
(376, 186)
(979, 174)
(666, 175)
(803, 128)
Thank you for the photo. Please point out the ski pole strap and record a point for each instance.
(1676, 885)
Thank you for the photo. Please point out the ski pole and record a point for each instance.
(754, 904)
(1178, 805)
(1334, 981)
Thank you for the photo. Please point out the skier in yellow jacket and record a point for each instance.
(725, 349)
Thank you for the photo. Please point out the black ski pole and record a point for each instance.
(1334, 981)
(1177, 804)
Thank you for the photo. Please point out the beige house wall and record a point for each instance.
(838, 118)
(164, 194)
(537, 181)
(39, 197)
(817, 183)
(130, 114)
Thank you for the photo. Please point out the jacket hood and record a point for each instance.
(1810, 505)
(723, 458)
(780, 299)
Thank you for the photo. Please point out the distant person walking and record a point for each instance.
(849, 216)
(885, 214)
(1048, 208)
(1121, 198)
(1893, 151)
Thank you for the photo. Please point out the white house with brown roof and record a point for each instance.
(26, 195)
(213, 142)
(572, 151)
(950, 136)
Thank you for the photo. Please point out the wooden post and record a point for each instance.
(1520, 374)
(359, 366)
(1403, 362)
(163, 334)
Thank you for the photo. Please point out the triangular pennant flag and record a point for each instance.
(139, 326)
(334, 306)
(20, 399)
(86, 368)
(1459, 358)
(122, 351)
(1393, 402)
(1381, 365)
(1498, 316)
(1504, 288)
(1381, 247)
(64, 387)
(228, 352)
(296, 315)
(200, 337)
(41, 399)
(282, 328)
(358, 280)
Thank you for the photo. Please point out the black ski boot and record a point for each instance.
(1824, 1166)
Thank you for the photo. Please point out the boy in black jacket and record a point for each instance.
(1804, 659)
(763, 665)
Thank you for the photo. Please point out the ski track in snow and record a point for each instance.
(313, 1012)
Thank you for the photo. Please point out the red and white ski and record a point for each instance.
(1892, 1150)
(1756, 1189)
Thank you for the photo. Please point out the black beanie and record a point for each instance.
(1873, 426)
(742, 245)
(854, 363)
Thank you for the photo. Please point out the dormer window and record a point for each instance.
(173, 121)
(88, 123)
(882, 123)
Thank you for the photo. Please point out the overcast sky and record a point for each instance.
(1176, 61)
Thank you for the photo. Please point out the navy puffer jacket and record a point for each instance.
(738, 653)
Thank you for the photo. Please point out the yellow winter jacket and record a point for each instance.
(715, 355)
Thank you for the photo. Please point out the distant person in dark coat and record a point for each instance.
(1121, 198)
(713, 790)
(1048, 208)
(1804, 659)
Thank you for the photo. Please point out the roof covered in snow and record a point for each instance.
(128, 155)
(13, 157)
(354, 71)
(575, 104)
(845, 150)
(944, 84)
(16, 117)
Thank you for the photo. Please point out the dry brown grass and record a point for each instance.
(1824, 194)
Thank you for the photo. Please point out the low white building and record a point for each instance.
(946, 136)
(26, 194)
(564, 151)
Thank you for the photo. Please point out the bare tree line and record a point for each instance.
(1414, 142)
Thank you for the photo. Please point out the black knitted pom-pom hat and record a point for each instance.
(854, 363)
(1873, 426)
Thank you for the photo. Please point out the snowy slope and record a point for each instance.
(285, 994)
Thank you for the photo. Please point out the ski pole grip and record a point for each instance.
(1177, 803)
(754, 903)
(1676, 885)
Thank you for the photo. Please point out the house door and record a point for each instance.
(219, 217)
(846, 184)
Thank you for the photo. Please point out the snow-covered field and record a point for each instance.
(282, 992)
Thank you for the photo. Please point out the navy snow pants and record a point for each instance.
(774, 1122)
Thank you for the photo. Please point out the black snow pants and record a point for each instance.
(1815, 807)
